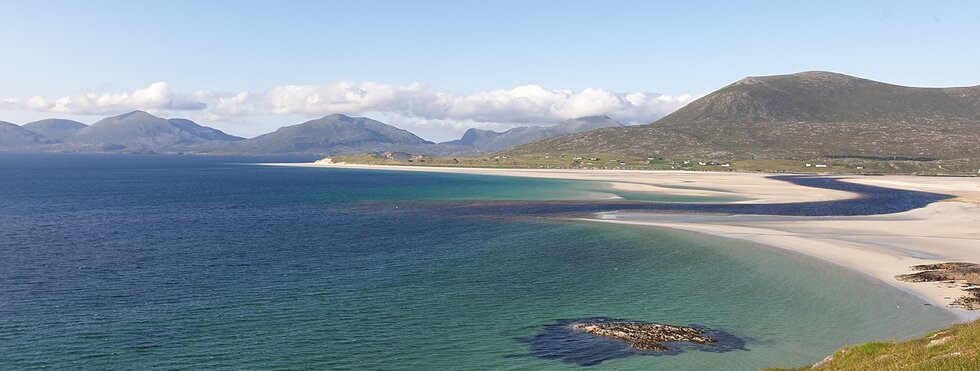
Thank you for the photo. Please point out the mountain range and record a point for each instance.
(16, 138)
(141, 132)
(799, 116)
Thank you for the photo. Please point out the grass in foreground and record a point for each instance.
(953, 348)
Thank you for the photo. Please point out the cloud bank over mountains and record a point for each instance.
(157, 96)
(523, 104)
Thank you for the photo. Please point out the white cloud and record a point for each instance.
(241, 104)
(343, 96)
(438, 130)
(157, 96)
(413, 106)
(523, 104)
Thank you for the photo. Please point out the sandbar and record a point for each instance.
(882, 246)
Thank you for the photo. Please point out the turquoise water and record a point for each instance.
(445, 186)
(156, 262)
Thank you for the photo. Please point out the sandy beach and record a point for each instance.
(754, 187)
(882, 246)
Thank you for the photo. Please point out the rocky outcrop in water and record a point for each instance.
(648, 336)
(592, 340)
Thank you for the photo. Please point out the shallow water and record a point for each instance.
(161, 262)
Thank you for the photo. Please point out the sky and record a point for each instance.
(437, 68)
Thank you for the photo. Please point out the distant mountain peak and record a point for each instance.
(339, 117)
(135, 114)
(55, 128)
(139, 131)
(332, 134)
(487, 140)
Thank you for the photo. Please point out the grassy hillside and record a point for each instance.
(954, 348)
(805, 116)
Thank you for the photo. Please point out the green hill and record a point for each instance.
(954, 348)
(809, 115)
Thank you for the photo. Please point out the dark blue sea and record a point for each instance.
(176, 262)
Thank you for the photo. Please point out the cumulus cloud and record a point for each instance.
(344, 96)
(157, 96)
(523, 104)
(528, 104)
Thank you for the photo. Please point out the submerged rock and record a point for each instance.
(591, 341)
(641, 335)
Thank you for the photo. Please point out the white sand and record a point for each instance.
(755, 187)
(880, 245)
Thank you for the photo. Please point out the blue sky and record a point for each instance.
(438, 67)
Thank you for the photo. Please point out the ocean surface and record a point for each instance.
(172, 262)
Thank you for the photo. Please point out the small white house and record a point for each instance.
(809, 165)
(820, 165)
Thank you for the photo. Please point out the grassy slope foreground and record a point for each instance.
(953, 348)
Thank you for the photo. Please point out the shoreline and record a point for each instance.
(754, 187)
(881, 246)
(876, 261)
